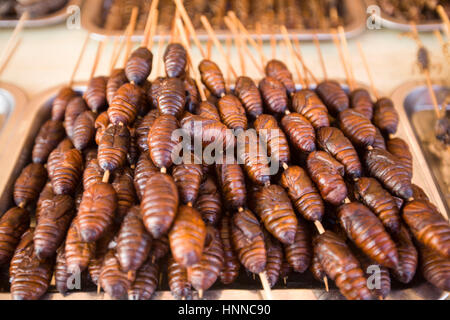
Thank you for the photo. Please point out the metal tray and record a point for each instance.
(389, 22)
(15, 153)
(51, 19)
(91, 13)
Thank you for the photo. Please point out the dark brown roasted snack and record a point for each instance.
(327, 173)
(60, 103)
(317, 270)
(143, 127)
(116, 79)
(379, 141)
(232, 112)
(428, 226)
(208, 111)
(300, 132)
(92, 174)
(341, 266)
(435, 268)
(159, 204)
(160, 248)
(98, 255)
(407, 256)
(171, 97)
(78, 252)
(385, 117)
(161, 141)
(46, 194)
(54, 220)
(112, 279)
(153, 92)
(274, 259)
(371, 193)
(298, 254)
(23, 249)
(192, 94)
(232, 181)
(123, 184)
(55, 155)
(139, 65)
(90, 154)
(357, 128)
(67, 172)
(309, 105)
(48, 138)
(126, 104)
(179, 284)
(113, 147)
(274, 95)
(248, 93)
(399, 148)
(361, 102)
(29, 184)
(101, 123)
(188, 178)
(97, 210)
(419, 193)
(209, 202)
(175, 59)
(61, 273)
(248, 241)
(380, 285)
(278, 70)
(333, 96)
(212, 77)
(231, 265)
(144, 286)
(385, 167)
(83, 130)
(368, 233)
(95, 94)
(144, 169)
(13, 224)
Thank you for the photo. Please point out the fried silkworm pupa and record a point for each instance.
(248, 241)
(84, 129)
(101, 123)
(113, 147)
(386, 168)
(133, 149)
(23, 249)
(333, 96)
(123, 184)
(368, 233)
(212, 77)
(204, 274)
(175, 59)
(327, 173)
(428, 226)
(117, 79)
(90, 154)
(382, 273)
(144, 170)
(267, 128)
(407, 256)
(126, 104)
(275, 210)
(278, 70)
(12, 226)
(75, 107)
(160, 248)
(54, 220)
(232, 112)
(371, 193)
(274, 95)
(333, 141)
(159, 204)
(399, 148)
(187, 236)
(188, 178)
(67, 172)
(29, 184)
(209, 202)
(298, 254)
(95, 94)
(274, 259)
(142, 129)
(144, 286)
(92, 174)
(161, 142)
(61, 273)
(139, 65)
(300, 132)
(112, 279)
(133, 242)
(180, 287)
(171, 97)
(357, 128)
(101, 249)
(60, 103)
(361, 102)
(78, 252)
(55, 155)
(46, 194)
(208, 111)
(232, 182)
(435, 268)
(153, 91)
(419, 194)
(48, 138)
(247, 91)
(192, 94)
(303, 193)
(309, 105)
(385, 117)
(97, 210)
(341, 266)
(379, 141)
(316, 269)
(231, 265)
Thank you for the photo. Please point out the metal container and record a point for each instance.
(50, 19)
(92, 12)
(15, 152)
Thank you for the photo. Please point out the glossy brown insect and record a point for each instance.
(55, 155)
(333, 96)
(123, 184)
(175, 59)
(385, 167)
(139, 65)
(435, 268)
(212, 77)
(113, 147)
(23, 249)
(300, 132)
(95, 94)
(60, 103)
(160, 248)
(385, 117)
(232, 112)
(192, 94)
(298, 253)
(309, 105)
(248, 241)
(232, 181)
(46, 194)
(179, 284)
(231, 265)
(143, 127)
(153, 92)
(144, 170)
(209, 202)
(67, 172)
(171, 97)
(316, 269)
(357, 128)
(116, 79)
(361, 102)
(399, 148)
(13, 224)
(92, 174)
(188, 178)
(48, 138)
(29, 184)
(379, 141)
(187, 236)
(371, 193)
(112, 279)
(204, 274)
(61, 273)
(78, 252)
(247, 91)
(207, 110)
(75, 107)
(428, 226)
(407, 256)
(54, 220)
(101, 123)
(159, 204)
(327, 173)
(278, 70)
(161, 142)
(98, 255)
(367, 265)
(144, 286)
(84, 130)
(97, 210)
(274, 259)
(368, 233)
(126, 104)
(341, 266)
(274, 95)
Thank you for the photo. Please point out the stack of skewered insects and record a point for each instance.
(205, 221)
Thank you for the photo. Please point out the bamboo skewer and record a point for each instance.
(153, 29)
(160, 55)
(132, 27)
(322, 61)
(341, 56)
(100, 47)
(228, 45)
(11, 53)
(266, 286)
(306, 70)
(80, 57)
(115, 49)
(347, 54)
(149, 23)
(122, 45)
(260, 42)
(13, 38)
(368, 71)
(292, 54)
(440, 10)
(209, 46)
(273, 45)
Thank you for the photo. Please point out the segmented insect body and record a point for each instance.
(67, 172)
(274, 259)
(78, 252)
(192, 94)
(113, 148)
(399, 148)
(153, 92)
(61, 273)
(298, 254)
(112, 279)
(188, 178)
(385, 117)
(144, 170)
(144, 286)
(209, 202)
(274, 95)
(24, 248)
(232, 112)
(60, 103)
(333, 96)
(435, 268)
(98, 255)
(212, 77)
(48, 138)
(300, 132)
(117, 79)
(13, 224)
(175, 59)
(75, 107)
(278, 70)
(160, 248)
(83, 130)
(161, 141)
(126, 104)
(55, 156)
(407, 256)
(171, 97)
(142, 129)
(247, 91)
(231, 265)
(384, 288)
(95, 94)
(208, 111)
(232, 182)
(361, 102)
(126, 195)
(139, 65)
(101, 123)
(180, 287)
(92, 174)
(379, 141)
(309, 105)
(29, 184)
(357, 128)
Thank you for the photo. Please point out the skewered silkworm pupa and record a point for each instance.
(435, 268)
(144, 286)
(357, 128)
(231, 265)
(144, 170)
(112, 279)
(361, 101)
(209, 202)
(309, 105)
(278, 70)
(12, 226)
(407, 256)
(67, 172)
(274, 95)
(113, 148)
(60, 103)
(116, 79)
(333, 96)
(126, 104)
(212, 77)
(232, 182)
(300, 132)
(385, 116)
(188, 178)
(95, 94)
(175, 59)
(232, 112)
(399, 148)
(179, 284)
(247, 91)
(29, 184)
(298, 254)
(83, 130)
(161, 142)
(139, 65)
(48, 138)
(274, 259)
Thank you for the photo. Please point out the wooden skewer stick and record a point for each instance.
(174, 32)
(319, 52)
(325, 280)
(239, 44)
(368, 71)
(273, 45)
(11, 53)
(12, 40)
(209, 46)
(132, 27)
(149, 23)
(260, 41)
(153, 28)
(292, 54)
(80, 57)
(115, 48)
(189, 25)
(106, 176)
(228, 44)
(341, 56)
(440, 10)
(122, 45)
(100, 47)
(159, 63)
(200, 294)
(347, 54)
(266, 286)
(216, 41)
(298, 56)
